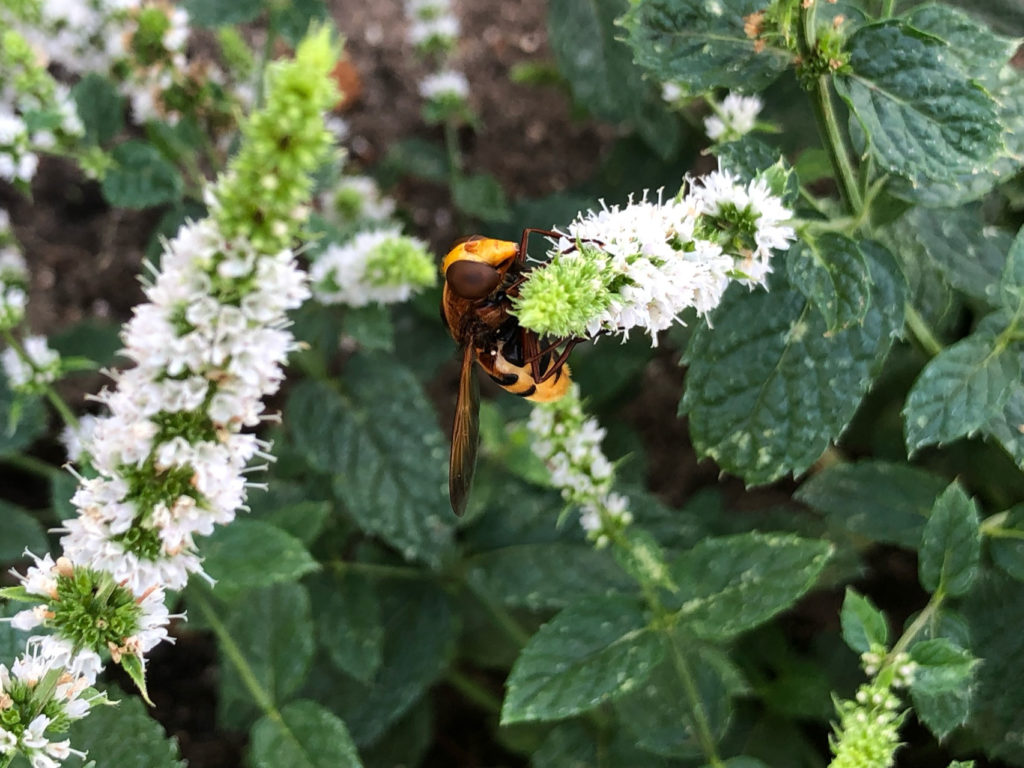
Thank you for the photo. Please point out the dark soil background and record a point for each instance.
(85, 259)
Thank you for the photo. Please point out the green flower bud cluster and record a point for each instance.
(263, 196)
(400, 261)
(867, 735)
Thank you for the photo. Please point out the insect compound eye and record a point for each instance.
(472, 279)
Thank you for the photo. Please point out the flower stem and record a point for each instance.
(926, 615)
(473, 691)
(919, 328)
(502, 618)
(377, 571)
(32, 465)
(234, 653)
(828, 123)
(51, 394)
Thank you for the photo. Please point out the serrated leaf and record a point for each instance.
(749, 157)
(1006, 543)
(960, 391)
(125, 736)
(923, 118)
(419, 641)
(481, 196)
(941, 688)
(249, 554)
(951, 543)
(140, 177)
(729, 584)
(1011, 282)
(590, 652)
(995, 613)
(658, 714)
(305, 735)
(545, 574)
(348, 623)
(882, 501)
(832, 273)
(385, 451)
(216, 13)
(968, 253)
(132, 666)
(767, 390)
(100, 107)
(272, 629)
(21, 531)
(702, 45)
(864, 626)
(600, 70)
(571, 744)
(1008, 427)
(978, 51)
(302, 519)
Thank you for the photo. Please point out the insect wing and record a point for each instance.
(465, 435)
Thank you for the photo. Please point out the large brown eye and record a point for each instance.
(472, 279)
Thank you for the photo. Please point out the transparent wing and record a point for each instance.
(465, 435)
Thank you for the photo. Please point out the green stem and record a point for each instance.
(473, 691)
(32, 465)
(828, 123)
(700, 719)
(230, 649)
(888, 8)
(451, 145)
(502, 618)
(922, 620)
(51, 394)
(919, 328)
(377, 571)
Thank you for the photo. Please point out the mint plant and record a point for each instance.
(842, 281)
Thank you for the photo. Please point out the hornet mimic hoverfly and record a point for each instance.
(481, 276)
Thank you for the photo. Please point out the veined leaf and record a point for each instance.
(923, 118)
(140, 177)
(249, 554)
(882, 501)
(767, 389)
(941, 690)
(304, 736)
(979, 51)
(125, 736)
(960, 391)
(832, 273)
(864, 626)
(21, 531)
(1006, 543)
(951, 544)
(100, 107)
(385, 451)
(590, 652)
(348, 623)
(730, 584)
(701, 44)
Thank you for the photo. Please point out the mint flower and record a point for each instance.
(355, 199)
(569, 443)
(733, 118)
(381, 266)
(641, 265)
(32, 371)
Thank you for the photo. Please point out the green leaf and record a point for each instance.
(730, 584)
(941, 689)
(1011, 282)
(995, 613)
(302, 519)
(979, 52)
(767, 390)
(132, 666)
(348, 623)
(571, 744)
(749, 158)
(923, 118)
(590, 652)
(864, 626)
(125, 736)
(384, 450)
(94, 339)
(304, 736)
(272, 629)
(216, 13)
(414, 157)
(100, 107)
(419, 641)
(960, 391)
(968, 253)
(21, 531)
(481, 196)
(658, 715)
(12, 641)
(600, 70)
(22, 419)
(545, 574)
(1008, 427)
(882, 501)
(293, 19)
(701, 45)
(140, 177)
(951, 544)
(1006, 543)
(832, 273)
(370, 327)
(249, 554)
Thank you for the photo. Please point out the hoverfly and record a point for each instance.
(481, 276)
